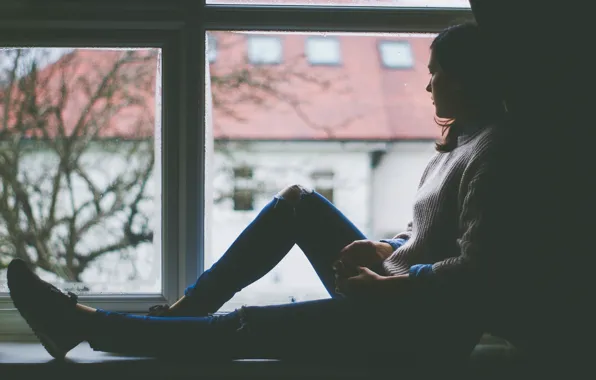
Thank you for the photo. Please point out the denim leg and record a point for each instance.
(361, 332)
(356, 332)
(323, 329)
(322, 231)
(212, 336)
(314, 223)
(257, 250)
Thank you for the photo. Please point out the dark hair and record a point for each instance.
(463, 53)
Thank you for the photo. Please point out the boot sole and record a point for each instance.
(48, 343)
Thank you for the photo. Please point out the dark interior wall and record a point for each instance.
(543, 49)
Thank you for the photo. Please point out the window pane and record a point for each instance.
(360, 133)
(323, 51)
(366, 3)
(323, 183)
(396, 54)
(264, 49)
(79, 185)
(244, 190)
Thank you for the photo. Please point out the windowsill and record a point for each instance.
(24, 359)
(29, 351)
(28, 359)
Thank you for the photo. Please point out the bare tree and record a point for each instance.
(58, 210)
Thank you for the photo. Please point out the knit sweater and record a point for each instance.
(443, 237)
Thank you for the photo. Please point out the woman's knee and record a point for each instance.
(293, 193)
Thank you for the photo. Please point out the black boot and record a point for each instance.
(50, 313)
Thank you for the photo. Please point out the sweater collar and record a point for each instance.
(468, 131)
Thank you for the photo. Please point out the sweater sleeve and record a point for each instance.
(395, 243)
(474, 243)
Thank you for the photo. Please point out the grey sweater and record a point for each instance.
(443, 237)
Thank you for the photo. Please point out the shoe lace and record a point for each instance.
(73, 297)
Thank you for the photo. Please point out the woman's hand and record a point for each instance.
(361, 253)
(365, 282)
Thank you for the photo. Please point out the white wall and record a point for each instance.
(394, 184)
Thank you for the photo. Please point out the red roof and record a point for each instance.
(364, 99)
(83, 93)
(359, 99)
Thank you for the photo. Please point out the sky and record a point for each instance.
(43, 57)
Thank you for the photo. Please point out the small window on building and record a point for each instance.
(264, 50)
(323, 183)
(396, 54)
(211, 47)
(244, 191)
(323, 51)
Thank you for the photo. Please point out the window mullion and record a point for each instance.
(332, 18)
(191, 150)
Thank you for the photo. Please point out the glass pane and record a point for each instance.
(365, 3)
(396, 54)
(264, 49)
(361, 132)
(323, 51)
(79, 186)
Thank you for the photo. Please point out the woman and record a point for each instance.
(417, 291)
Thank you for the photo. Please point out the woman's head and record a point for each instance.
(464, 84)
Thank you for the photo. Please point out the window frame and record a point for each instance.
(178, 27)
(178, 159)
(170, 273)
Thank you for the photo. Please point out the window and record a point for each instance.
(243, 189)
(80, 200)
(323, 51)
(273, 110)
(323, 183)
(211, 48)
(264, 50)
(396, 54)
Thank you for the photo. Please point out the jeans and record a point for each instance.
(313, 223)
(338, 328)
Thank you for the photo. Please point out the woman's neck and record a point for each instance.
(474, 116)
(471, 119)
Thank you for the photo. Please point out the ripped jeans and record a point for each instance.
(311, 222)
(340, 328)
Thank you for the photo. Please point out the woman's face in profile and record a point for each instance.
(445, 94)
